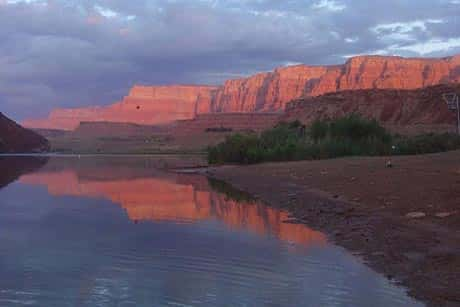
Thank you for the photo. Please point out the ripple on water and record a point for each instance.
(79, 234)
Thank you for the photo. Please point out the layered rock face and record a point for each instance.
(403, 111)
(145, 105)
(271, 91)
(265, 92)
(16, 139)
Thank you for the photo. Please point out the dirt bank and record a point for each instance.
(369, 209)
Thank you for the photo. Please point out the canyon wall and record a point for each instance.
(403, 111)
(264, 92)
(145, 105)
(271, 91)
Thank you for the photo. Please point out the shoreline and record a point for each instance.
(367, 208)
(102, 154)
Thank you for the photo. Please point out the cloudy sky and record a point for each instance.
(69, 53)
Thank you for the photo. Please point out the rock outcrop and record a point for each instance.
(264, 92)
(403, 111)
(16, 139)
(271, 91)
(145, 105)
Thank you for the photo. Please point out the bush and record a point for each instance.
(347, 136)
(356, 128)
(319, 130)
(235, 149)
(426, 143)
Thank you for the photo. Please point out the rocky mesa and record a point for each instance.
(145, 105)
(264, 92)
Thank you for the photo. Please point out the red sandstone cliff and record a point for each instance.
(265, 92)
(404, 111)
(146, 105)
(271, 91)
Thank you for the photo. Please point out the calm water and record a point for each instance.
(122, 232)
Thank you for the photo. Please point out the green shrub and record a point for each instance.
(426, 143)
(347, 136)
(357, 128)
(234, 149)
(319, 130)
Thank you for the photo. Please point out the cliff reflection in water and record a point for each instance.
(180, 198)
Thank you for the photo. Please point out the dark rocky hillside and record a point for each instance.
(16, 139)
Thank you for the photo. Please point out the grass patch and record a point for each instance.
(325, 139)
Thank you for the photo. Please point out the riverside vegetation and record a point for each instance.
(324, 139)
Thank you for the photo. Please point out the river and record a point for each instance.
(123, 231)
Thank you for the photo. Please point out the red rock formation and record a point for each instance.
(14, 138)
(271, 91)
(146, 105)
(265, 92)
(268, 91)
(404, 111)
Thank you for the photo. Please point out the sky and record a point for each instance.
(71, 53)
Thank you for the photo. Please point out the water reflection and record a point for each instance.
(12, 167)
(95, 231)
(178, 198)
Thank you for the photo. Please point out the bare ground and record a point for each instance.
(363, 205)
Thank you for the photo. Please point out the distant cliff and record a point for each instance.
(404, 111)
(146, 105)
(16, 139)
(264, 92)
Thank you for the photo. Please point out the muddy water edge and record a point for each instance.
(420, 254)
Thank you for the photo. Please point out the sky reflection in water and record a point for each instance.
(81, 232)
